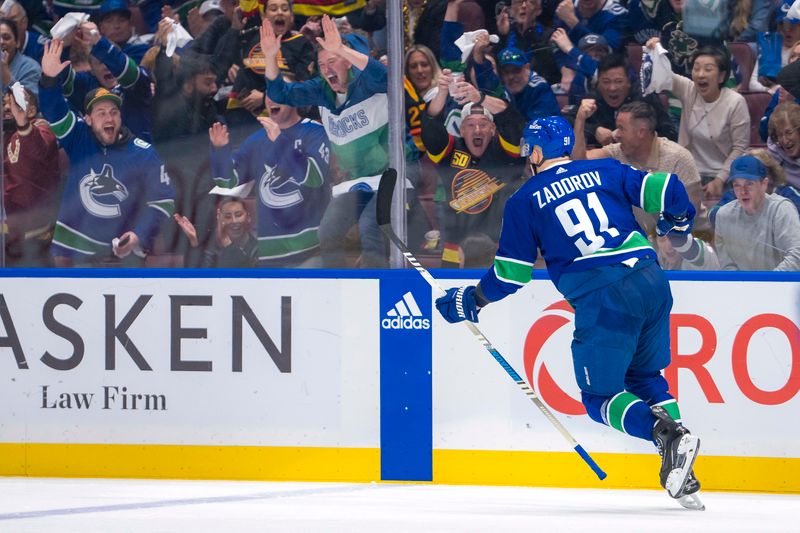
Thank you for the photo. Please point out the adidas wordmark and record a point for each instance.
(405, 315)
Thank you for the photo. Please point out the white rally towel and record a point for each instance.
(240, 191)
(466, 42)
(178, 37)
(67, 24)
(656, 72)
(19, 95)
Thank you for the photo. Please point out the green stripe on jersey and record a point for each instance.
(69, 84)
(455, 66)
(617, 408)
(672, 409)
(129, 75)
(635, 241)
(62, 127)
(512, 270)
(165, 206)
(314, 176)
(74, 240)
(286, 245)
(652, 195)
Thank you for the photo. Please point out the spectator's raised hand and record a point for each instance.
(270, 43)
(312, 28)
(187, 228)
(561, 40)
(331, 40)
(20, 116)
(195, 22)
(51, 59)
(466, 92)
(87, 34)
(253, 101)
(271, 127)
(566, 12)
(651, 43)
(164, 29)
(445, 79)
(586, 109)
(218, 135)
(503, 22)
(237, 22)
(481, 45)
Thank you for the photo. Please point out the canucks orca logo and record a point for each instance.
(102, 194)
(276, 192)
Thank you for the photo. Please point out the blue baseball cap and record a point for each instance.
(113, 6)
(748, 167)
(513, 56)
(590, 40)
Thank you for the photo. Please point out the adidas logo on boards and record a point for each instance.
(405, 314)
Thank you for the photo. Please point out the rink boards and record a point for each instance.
(349, 376)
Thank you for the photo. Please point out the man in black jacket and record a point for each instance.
(479, 170)
(617, 86)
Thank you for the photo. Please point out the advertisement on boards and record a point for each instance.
(735, 371)
(261, 362)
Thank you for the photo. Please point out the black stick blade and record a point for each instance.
(385, 194)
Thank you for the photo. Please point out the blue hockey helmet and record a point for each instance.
(553, 135)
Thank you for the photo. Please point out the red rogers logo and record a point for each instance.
(736, 362)
(546, 387)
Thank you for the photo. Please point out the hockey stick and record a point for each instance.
(384, 205)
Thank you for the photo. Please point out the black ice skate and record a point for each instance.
(678, 449)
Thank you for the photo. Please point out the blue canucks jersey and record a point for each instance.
(291, 191)
(109, 190)
(579, 215)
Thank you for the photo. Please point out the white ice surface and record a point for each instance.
(101, 505)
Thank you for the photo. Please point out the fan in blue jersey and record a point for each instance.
(117, 193)
(579, 214)
(288, 160)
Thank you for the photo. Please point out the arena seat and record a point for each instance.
(746, 59)
(757, 103)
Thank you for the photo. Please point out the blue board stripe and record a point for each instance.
(406, 380)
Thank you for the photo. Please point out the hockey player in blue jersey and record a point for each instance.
(579, 215)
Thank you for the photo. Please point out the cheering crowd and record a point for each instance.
(219, 133)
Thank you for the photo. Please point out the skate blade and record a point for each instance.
(692, 502)
(687, 449)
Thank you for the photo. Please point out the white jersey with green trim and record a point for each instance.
(579, 215)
